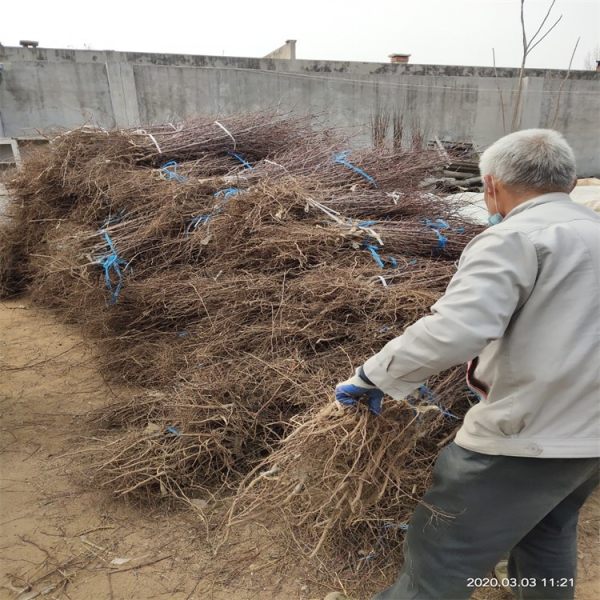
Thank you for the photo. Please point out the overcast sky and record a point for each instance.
(459, 32)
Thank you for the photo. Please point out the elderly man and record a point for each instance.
(524, 311)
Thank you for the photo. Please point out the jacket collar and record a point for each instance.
(537, 201)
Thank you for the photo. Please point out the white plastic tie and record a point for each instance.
(395, 196)
(227, 132)
(155, 142)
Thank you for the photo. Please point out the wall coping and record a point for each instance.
(19, 54)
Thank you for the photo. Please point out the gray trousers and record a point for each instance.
(495, 505)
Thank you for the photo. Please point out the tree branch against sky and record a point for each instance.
(433, 31)
(529, 44)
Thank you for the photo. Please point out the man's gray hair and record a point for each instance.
(535, 159)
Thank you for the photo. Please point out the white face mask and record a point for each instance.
(496, 217)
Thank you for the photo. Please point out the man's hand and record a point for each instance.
(349, 392)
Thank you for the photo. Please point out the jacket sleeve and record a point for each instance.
(496, 273)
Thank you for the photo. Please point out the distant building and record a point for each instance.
(398, 58)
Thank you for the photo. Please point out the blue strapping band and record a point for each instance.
(195, 222)
(341, 158)
(402, 526)
(427, 394)
(374, 250)
(170, 171)
(112, 219)
(437, 226)
(442, 240)
(473, 394)
(112, 262)
(227, 192)
(379, 543)
(201, 219)
(365, 224)
(375, 254)
(173, 430)
(239, 157)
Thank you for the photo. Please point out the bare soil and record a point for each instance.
(61, 540)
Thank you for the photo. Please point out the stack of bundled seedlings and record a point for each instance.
(235, 270)
(348, 506)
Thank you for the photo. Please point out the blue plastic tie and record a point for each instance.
(366, 224)
(112, 219)
(170, 171)
(427, 394)
(341, 158)
(112, 262)
(436, 226)
(375, 254)
(239, 157)
(173, 430)
(402, 526)
(374, 250)
(201, 219)
(379, 543)
(442, 240)
(195, 222)
(369, 556)
(447, 413)
(473, 394)
(227, 192)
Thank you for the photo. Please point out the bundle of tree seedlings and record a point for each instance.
(234, 270)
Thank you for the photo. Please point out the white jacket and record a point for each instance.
(524, 307)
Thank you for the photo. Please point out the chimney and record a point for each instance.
(397, 58)
(29, 44)
(291, 44)
(286, 52)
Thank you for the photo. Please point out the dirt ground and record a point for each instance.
(60, 540)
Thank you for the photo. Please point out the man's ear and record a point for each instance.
(489, 185)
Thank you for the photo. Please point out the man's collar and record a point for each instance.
(542, 199)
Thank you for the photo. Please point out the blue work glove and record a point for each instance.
(349, 392)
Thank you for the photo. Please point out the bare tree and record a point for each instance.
(499, 90)
(562, 84)
(528, 46)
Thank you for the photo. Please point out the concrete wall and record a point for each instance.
(47, 88)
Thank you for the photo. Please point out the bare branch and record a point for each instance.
(523, 33)
(528, 46)
(562, 85)
(547, 32)
(499, 90)
(543, 22)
